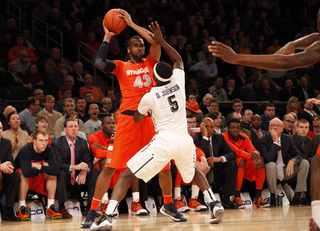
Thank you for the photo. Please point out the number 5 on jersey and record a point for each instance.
(173, 103)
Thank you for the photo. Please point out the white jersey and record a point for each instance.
(167, 104)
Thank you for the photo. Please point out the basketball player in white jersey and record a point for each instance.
(166, 103)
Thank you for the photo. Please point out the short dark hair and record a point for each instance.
(214, 114)
(132, 38)
(214, 100)
(79, 98)
(236, 101)
(191, 116)
(269, 105)
(30, 101)
(234, 120)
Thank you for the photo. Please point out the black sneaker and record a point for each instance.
(8, 215)
(217, 212)
(104, 223)
(171, 211)
(88, 221)
(230, 205)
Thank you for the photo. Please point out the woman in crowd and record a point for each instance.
(293, 105)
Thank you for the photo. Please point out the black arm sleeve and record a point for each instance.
(101, 62)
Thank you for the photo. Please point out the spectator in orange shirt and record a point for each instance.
(14, 51)
(96, 92)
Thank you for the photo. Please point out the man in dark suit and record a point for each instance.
(303, 143)
(269, 114)
(220, 157)
(255, 130)
(286, 93)
(9, 180)
(307, 112)
(76, 166)
(283, 161)
(303, 91)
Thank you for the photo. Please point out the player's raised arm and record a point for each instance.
(156, 35)
(101, 60)
(275, 62)
(155, 49)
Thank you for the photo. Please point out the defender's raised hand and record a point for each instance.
(156, 34)
(222, 51)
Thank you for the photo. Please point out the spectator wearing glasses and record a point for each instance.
(106, 105)
(30, 114)
(288, 122)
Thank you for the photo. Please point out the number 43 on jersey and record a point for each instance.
(147, 81)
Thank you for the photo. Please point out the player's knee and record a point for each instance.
(128, 174)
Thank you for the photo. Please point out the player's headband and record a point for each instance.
(158, 76)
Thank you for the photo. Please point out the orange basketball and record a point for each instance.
(113, 22)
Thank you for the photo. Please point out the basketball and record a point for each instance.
(113, 22)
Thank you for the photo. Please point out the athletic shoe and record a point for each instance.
(104, 206)
(171, 211)
(239, 202)
(260, 203)
(88, 221)
(196, 205)
(180, 205)
(217, 212)
(137, 209)
(51, 213)
(22, 214)
(104, 223)
(313, 226)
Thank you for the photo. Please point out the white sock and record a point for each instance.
(50, 202)
(105, 198)
(177, 192)
(113, 205)
(135, 196)
(22, 203)
(209, 195)
(316, 211)
(194, 191)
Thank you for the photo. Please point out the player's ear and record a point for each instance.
(128, 50)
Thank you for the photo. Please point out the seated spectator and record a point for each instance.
(265, 93)
(68, 105)
(192, 87)
(293, 105)
(221, 159)
(6, 43)
(106, 105)
(308, 111)
(278, 149)
(316, 107)
(269, 114)
(42, 122)
(88, 96)
(237, 106)
(39, 170)
(110, 94)
(28, 41)
(78, 173)
(288, 122)
(237, 115)
(287, 92)
(93, 124)
(257, 79)
(75, 115)
(56, 78)
(75, 38)
(81, 108)
(66, 93)
(216, 118)
(39, 95)
(303, 91)
(239, 76)
(96, 92)
(243, 47)
(247, 93)
(10, 180)
(51, 114)
(192, 108)
(250, 164)
(32, 75)
(30, 114)
(51, 63)
(192, 125)
(246, 119)
(232, 91)
(290, 74)
(256, 131)
(214, 106)
(206, 70)
(14, 51)
(302, 142)
(204, 106)
(274, 47)
(314, 126)
(93, 44)
(23, 62)
(68, 82)
(18, 137)
(78, 75)
(14, 82)
(9, 109)
(191, 97)
(217, 91)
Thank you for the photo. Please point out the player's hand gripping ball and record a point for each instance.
(113, 21)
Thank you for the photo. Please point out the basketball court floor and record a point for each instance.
(263, 219)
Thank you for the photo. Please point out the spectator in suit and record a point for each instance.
(288, 122)
(269, 114)
(303, 91)
(266, 93)
(255, 130)
(293, 105)
(287, 92)
(303, 143)
(246, 119)
(76, 166)
(240, 76)
(51, 63)
(78, 75)
(221, 159)
(10, 180)
(39, 170)
(283, 161)
(308, 111)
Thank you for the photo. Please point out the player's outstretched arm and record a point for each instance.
(101, 60)
(155, 49)
(301, 43)
(275, 62)
(156, 35)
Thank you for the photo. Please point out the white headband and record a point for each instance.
(158, 76)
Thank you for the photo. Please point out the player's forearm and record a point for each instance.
(304, 42)
(172, 53)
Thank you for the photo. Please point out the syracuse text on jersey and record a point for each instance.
(137, 72)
